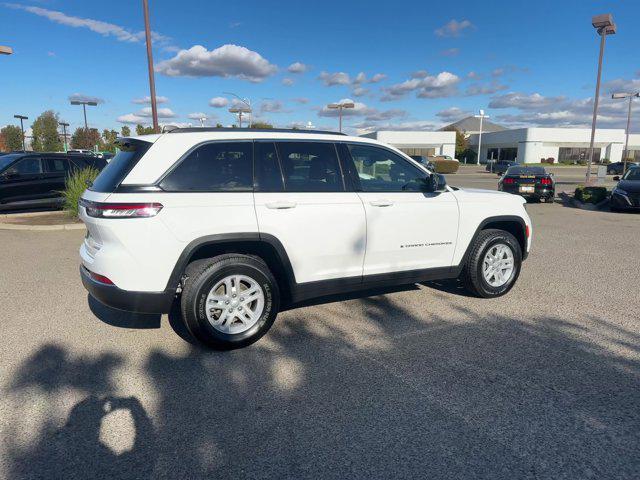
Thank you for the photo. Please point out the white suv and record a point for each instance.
(233, 224)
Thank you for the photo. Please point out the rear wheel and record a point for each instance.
(493, 265)
(229, 301)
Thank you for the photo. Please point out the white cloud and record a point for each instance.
(378, 77)
(338, 78)
(288, 82)
(360, 78)
(370, 114)
(297, 67)
(453, 28)
(359, 91)
(453, 114)
(419, 74)
(368, 127)
(131, 118)
(80, 97)
(272, 106)
(484, 89)
(622, 85)
(103, 28)
(450, 52)
(444, 84)
(225, 61)
(162, 112)
(524, 101)
(147, 100)
(301, 100)
(218, 102)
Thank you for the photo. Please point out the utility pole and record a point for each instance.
(22, 117)
(630, 96)
(482, 116)
(64, 135)
(152, 82)
(340, 107)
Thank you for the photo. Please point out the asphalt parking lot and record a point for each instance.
(419, 382)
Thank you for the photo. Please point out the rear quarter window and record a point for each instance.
(119, 167)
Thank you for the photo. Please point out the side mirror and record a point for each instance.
(435, 183)
(11, 173)
(616, 178)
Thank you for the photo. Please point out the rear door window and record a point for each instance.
(310, 167)
(57, 165)
(267, 168)
(119, 167)
(213, 167)
(28, 166)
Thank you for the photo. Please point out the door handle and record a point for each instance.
(381, 203)
(282, 205)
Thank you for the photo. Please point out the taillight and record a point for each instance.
(526, 231)
(120, 210)
(545, 181)
(509, 180)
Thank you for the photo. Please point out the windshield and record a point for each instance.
(632, 174)
(119, 167)
(6, 160)
(526, 171)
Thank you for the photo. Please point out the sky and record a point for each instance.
(410, 65)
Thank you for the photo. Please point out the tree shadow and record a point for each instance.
(377, 388)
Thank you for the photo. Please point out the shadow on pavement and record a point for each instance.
(387, 394)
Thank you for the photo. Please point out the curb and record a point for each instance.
(38, 228)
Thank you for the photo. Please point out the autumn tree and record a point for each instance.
(261, 125)
(142, 130)
(85, 138)
(12, 137)
(125, 131)
(45, 133)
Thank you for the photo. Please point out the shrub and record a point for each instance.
(446, 166)
(551, 160)
(75, 185)
(590, 194)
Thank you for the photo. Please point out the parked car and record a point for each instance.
(80, 151)
(626, 194)
(499, 166)
(422, 160)
(533, 183)
(233, 225)
(617, 168)
(30, 180)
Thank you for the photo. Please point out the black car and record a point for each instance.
(30, 180)
(626, 194)
(617, 168)
(422, 160)
(530, 182)
(500, 166)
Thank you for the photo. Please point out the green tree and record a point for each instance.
(85, 138)
(261, 125)
(109, 140)
(141, 130)
(45, 133)
(125, 131)
(462, 145)
(12, 137)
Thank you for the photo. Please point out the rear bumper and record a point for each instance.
(139, 302)
(622, 202)
(538, 192)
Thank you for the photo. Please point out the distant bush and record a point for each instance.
(590, 194)
(75, 186)
(446, 166)
(605, 161)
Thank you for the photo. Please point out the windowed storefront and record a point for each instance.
(507, 154)
(425, 152)
(577, 155)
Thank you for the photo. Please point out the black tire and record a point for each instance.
(472, 275)
(201, 277)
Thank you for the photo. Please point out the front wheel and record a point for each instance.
(493, 265)
(229, 301)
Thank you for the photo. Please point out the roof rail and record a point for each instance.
(230, 129)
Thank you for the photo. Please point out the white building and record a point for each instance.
(418, 142)
(531, 145)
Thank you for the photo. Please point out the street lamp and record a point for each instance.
(22, 117)
(482, 116)
(630, 96)
(4, 50)
(340, 107)
(152, 82)
(84, 104)
(240, 111)
(64, 134)
(604, 26)
(247, 102)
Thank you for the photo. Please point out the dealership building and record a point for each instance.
(418, 142)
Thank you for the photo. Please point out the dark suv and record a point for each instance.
(31, 180)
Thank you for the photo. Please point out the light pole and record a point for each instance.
(630, 96)
(152, 82)
(604, 26)
(64, 135)
(22, 117)
(340, 107)
(240, 111)
(4, 50)
(84, 104)
(482, 116)
(247, 102)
